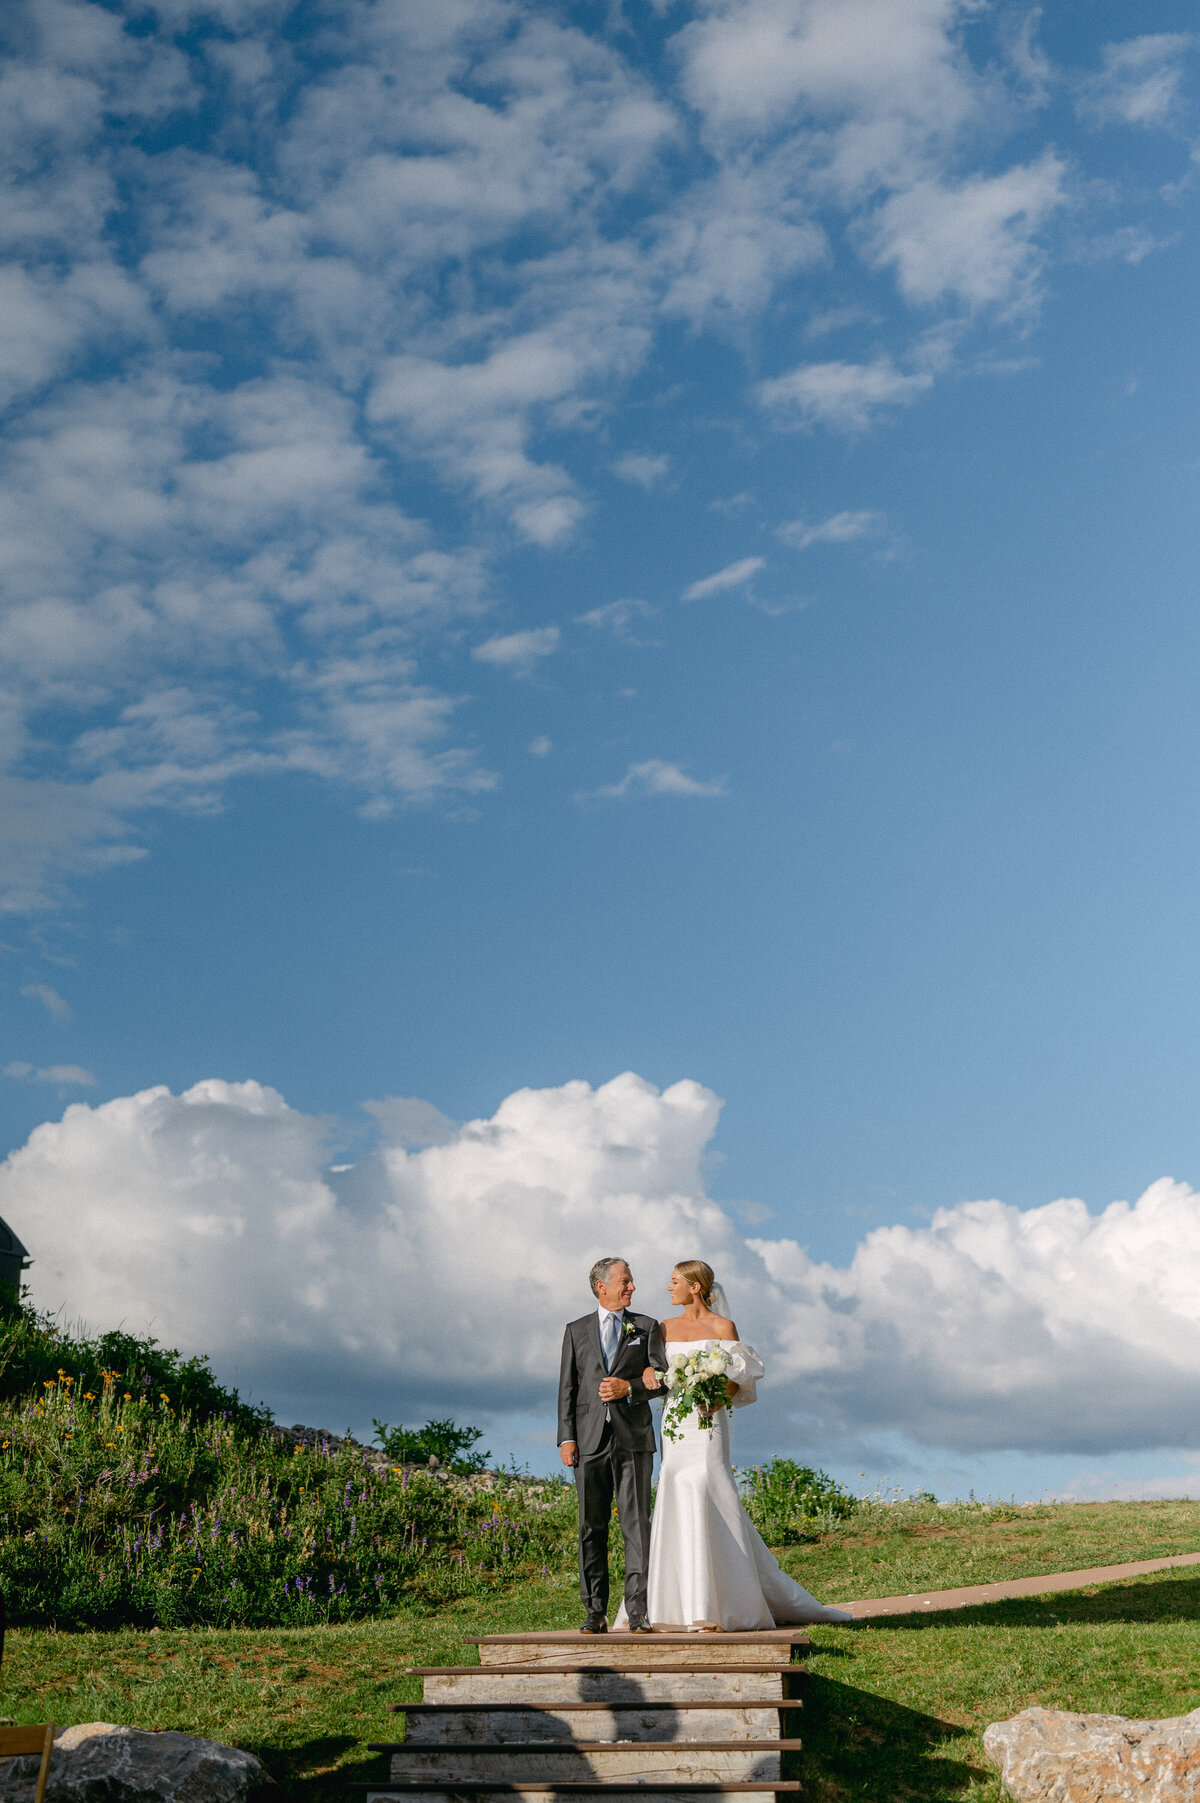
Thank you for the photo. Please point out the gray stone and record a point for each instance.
(99, 1762)
(1056, 1756)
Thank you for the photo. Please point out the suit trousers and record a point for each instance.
(609, 1471)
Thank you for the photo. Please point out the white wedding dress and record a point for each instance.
(708, 1565)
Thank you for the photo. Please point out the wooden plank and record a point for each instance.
(563, 1793)
(475, 1684)
(549, 1765)
(640, 1650)
(509, 1722)
(664, 1631)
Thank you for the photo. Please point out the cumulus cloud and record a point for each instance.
(734, 575)
(848, 396)
(655, 777)
(215, 1218)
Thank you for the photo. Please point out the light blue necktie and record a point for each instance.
(608, 1340)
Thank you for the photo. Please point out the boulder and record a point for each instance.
(1056, 1756)
(98, 1762)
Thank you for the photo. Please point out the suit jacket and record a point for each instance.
(581, 1413)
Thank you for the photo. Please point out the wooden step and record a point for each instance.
(443, 1723)
(566, 1793)
(665, 1647)
(588, 1683)
(635, 1762)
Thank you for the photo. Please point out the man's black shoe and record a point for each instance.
(596, 1623)
(640, 1624)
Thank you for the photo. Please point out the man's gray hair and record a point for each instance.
(600, 1270)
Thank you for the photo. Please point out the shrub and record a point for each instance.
(790, 1503)
(34, 1349)
(441, 1440)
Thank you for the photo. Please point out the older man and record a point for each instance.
(606, 1433)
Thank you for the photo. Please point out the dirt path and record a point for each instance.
(934, 1600)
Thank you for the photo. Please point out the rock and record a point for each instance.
(1056, 1756)
(98, 1762)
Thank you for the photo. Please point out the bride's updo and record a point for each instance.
(694, 1270)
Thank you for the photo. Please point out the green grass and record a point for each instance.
(891, 1711)
(916, 1546)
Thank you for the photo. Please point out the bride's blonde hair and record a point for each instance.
(694, 1270)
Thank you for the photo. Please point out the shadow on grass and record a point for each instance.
(1163, 1600)
(316, 1771)
(858, 1745)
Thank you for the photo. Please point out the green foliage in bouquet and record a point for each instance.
(698, 1386)
(790, 1504)
(444, 1441)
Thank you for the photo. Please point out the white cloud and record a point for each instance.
(1140, 80)
(640, 468)
(753, 65)
(214, 1218)
(449, 241)
(409, 1122)
(617, 617)
(655, 777)
(975, 241)
(848, 396)
(54, 1004)
(839, 529)
(519, 651)
(62, 1074)
(734, 575)
(540, 747)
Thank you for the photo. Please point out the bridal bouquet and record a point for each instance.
(697, 1382)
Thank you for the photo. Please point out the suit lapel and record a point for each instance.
(623, 1339)
(596, 1340)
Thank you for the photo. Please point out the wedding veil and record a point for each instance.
(718, 1301)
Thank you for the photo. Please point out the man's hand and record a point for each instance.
(615, 1389)
(568, 1452)
(651, 1379)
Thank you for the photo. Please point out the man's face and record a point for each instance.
(616, 1293)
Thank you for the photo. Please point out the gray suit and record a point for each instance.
(616, 1450)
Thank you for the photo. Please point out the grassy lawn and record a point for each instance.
(900, 1551)
(893, 1711)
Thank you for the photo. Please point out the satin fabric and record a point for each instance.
(708, 1565)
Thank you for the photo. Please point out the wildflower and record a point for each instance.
(47, 1383)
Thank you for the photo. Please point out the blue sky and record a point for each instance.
(542, 542)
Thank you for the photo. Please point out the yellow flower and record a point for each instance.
(89, 1396)
(47, 1383)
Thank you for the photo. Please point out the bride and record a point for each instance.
(708, 1566)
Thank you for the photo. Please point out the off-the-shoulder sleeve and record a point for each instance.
(745, 1368)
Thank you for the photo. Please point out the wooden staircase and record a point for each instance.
(615, 1716)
